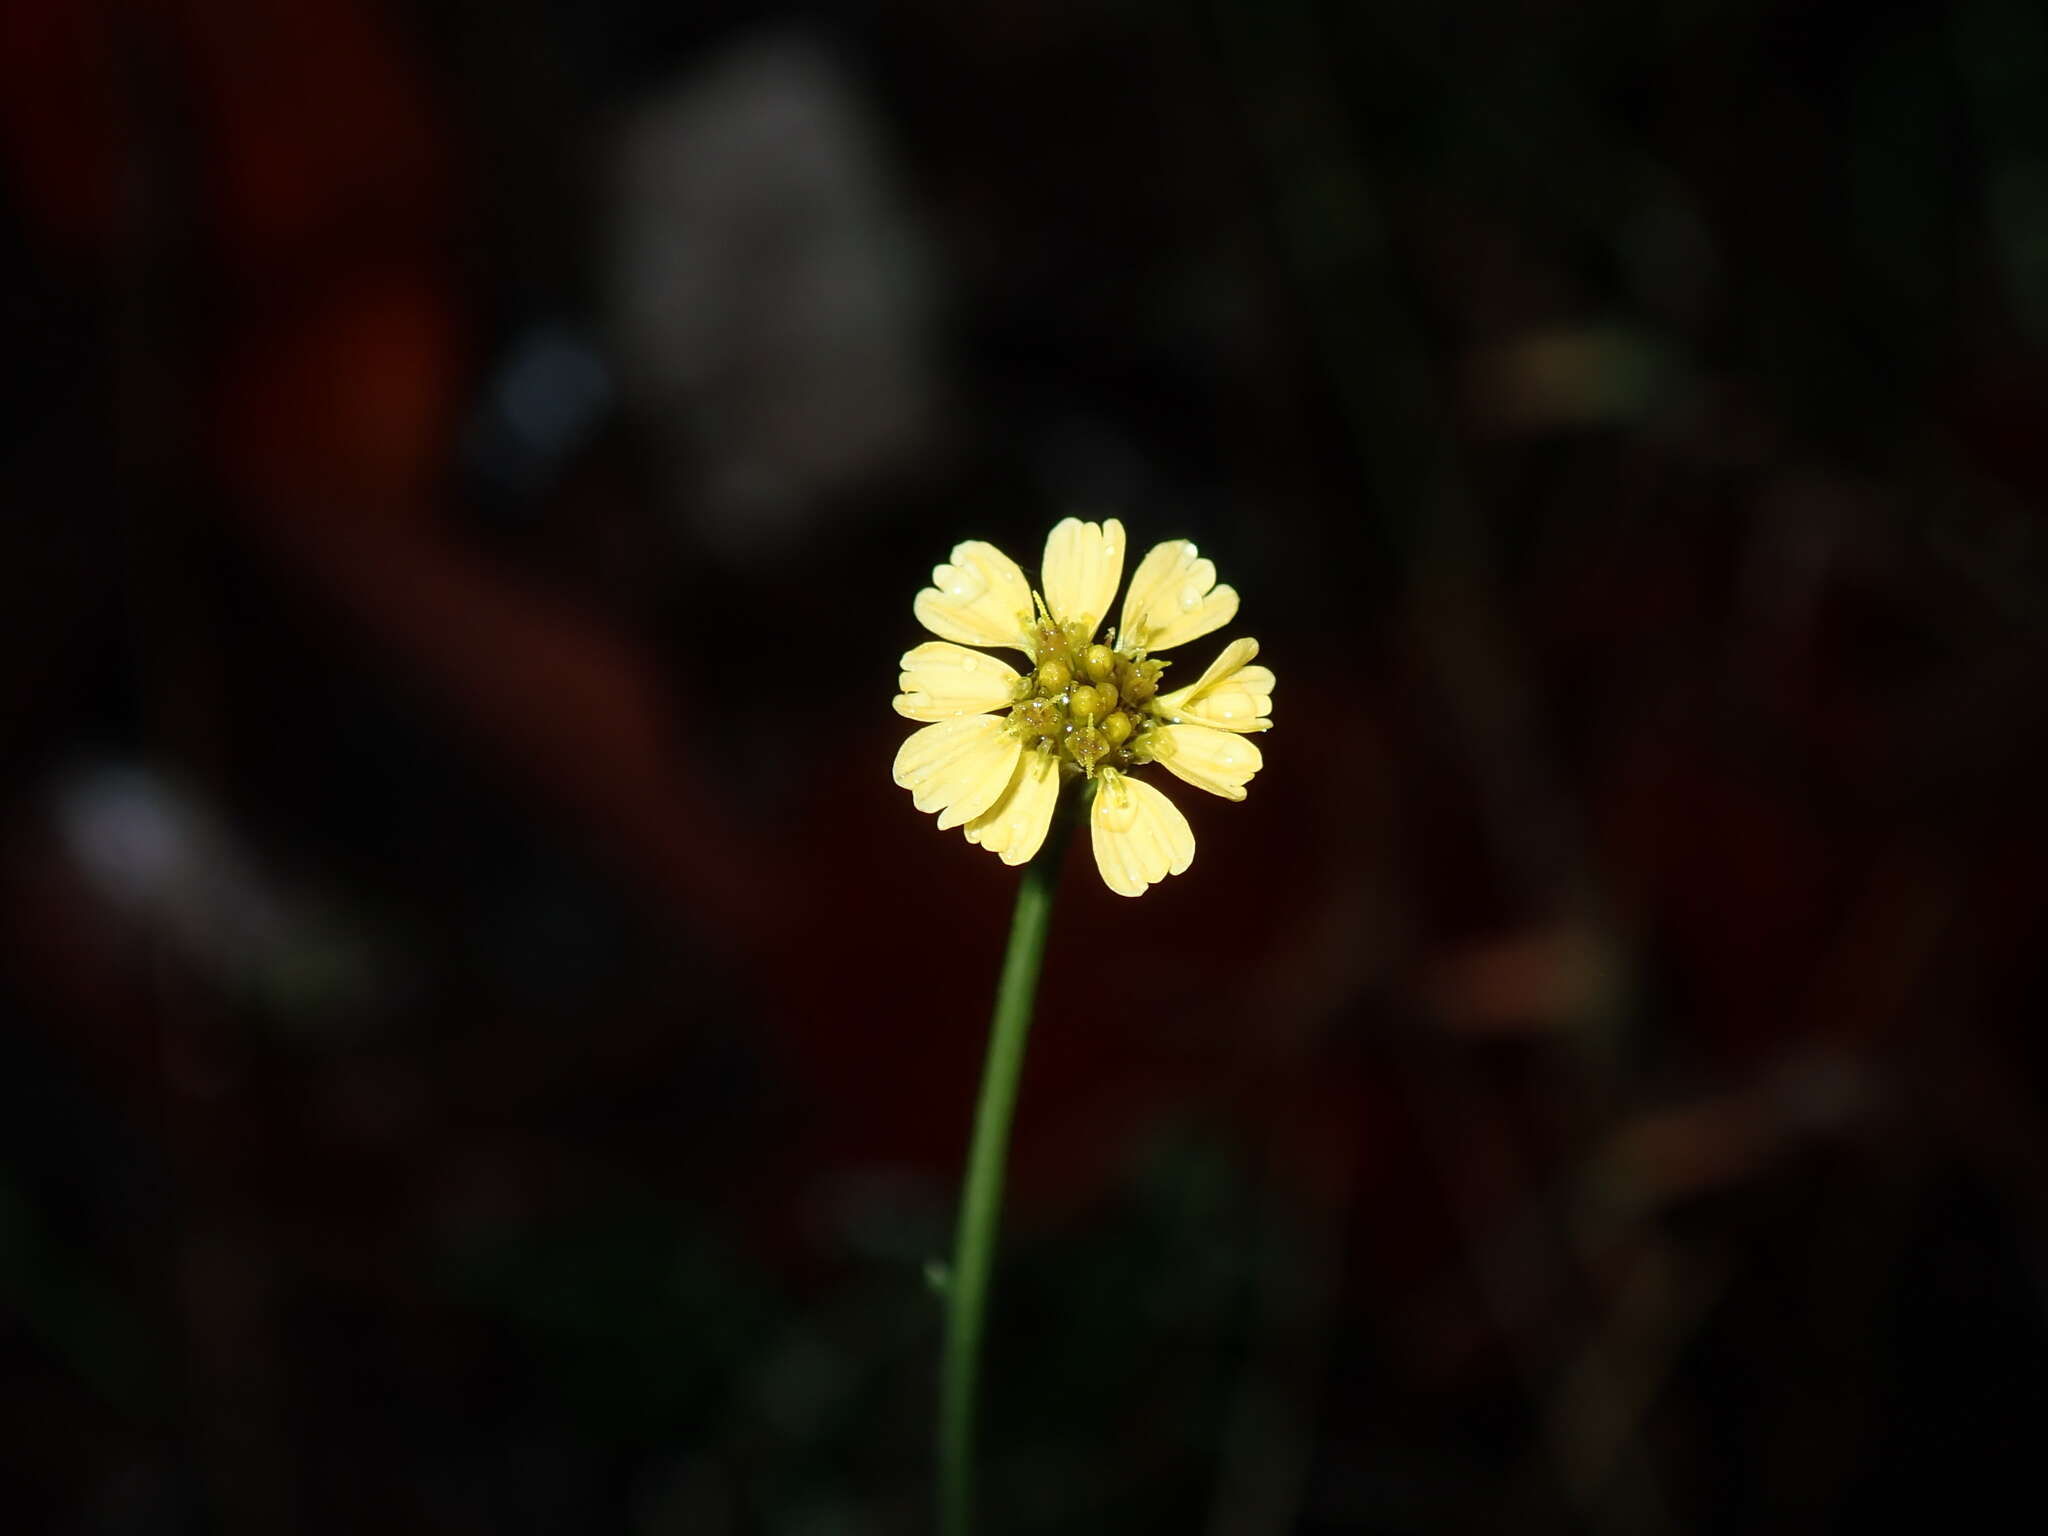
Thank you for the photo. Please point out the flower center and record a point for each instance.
(1084, 701)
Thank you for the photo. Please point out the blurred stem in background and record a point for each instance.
(981, 1199)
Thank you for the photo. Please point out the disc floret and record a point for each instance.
(1084, 701)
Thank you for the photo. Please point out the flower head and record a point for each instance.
(1002, 742)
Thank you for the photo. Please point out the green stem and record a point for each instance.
(981, 1200)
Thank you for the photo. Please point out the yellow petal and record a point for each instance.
(958, 767)
(1015, 825)
(1231, 696)
(1170, 601)
(1139, 836)
(981, 598)
(1083, 564)
(941, 680)
(1219, 761)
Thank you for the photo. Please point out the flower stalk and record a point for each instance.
(981, 1197)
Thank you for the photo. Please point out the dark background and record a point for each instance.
(484, 1047)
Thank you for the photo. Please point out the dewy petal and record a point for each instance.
(1219, 761)
(1170, 601)
(1083, 564)
(1231, 696)
(1015, 825)
(958, 767)
(981, 598)
(1140, 837)
(941, 680)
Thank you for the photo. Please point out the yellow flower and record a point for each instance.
(1000, 742)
